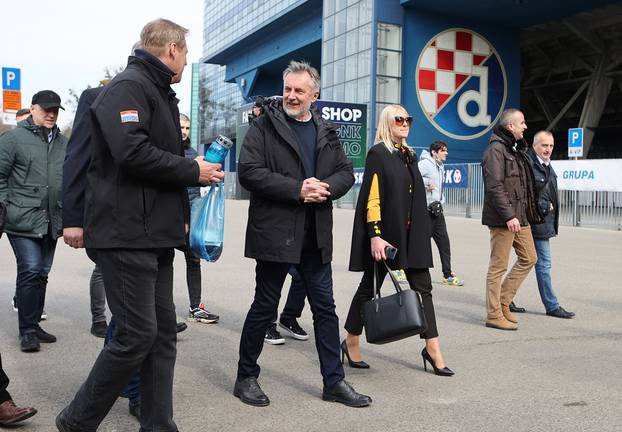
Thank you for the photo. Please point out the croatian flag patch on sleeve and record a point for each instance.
(129, 116)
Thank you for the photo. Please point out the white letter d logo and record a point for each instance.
(482, 118)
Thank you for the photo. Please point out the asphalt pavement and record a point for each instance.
(550, 375)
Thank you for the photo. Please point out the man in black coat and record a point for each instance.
(136, 214)
(293, 165)
(548, 205)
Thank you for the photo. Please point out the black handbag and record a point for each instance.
(391, 318)
(435, 208)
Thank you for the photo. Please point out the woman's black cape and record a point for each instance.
(413, 246)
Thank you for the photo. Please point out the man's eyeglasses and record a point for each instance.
(399, 120)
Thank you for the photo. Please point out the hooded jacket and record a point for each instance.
(432, 172)
(271, 168)
(508, 182)
(31, 172)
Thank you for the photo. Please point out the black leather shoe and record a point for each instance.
(516, 309)
(29, 342)
(560, 312)
(45, 337)
(99, 329)
(343, 392)
(61, 424)
(250, 393)
(181, 326)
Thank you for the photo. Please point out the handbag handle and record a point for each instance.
(378, 285)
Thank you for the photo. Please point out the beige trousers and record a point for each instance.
(501, 242)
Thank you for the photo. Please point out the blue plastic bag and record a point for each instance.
(207, 224)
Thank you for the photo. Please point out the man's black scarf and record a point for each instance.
(519, 148)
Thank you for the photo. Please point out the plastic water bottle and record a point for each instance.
(217, 151)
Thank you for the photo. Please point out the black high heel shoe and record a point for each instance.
(427, 358)
(353, 364)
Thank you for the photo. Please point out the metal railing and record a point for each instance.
(593, 209)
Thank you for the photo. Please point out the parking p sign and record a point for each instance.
(575, 142)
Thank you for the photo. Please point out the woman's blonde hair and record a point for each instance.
(383, 131)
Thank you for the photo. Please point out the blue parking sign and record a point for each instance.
(575, 142)
(11, 79)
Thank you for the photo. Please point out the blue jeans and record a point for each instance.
(543, 274)
(132, 390)
(296, 297)
(34, 258)
(318, 282)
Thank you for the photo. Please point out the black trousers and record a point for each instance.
(139, 290)
(193, 278)
(419, 280)
(318, 283)
(4, 383)
(441, 238)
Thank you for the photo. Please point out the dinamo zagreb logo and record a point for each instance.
(461, 83)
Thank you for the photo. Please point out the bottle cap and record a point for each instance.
(224, 141)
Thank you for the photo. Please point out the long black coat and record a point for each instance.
(546, 194)
(136, 194)
(395, 182)
(271, 168)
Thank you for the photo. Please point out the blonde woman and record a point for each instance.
(391, 211)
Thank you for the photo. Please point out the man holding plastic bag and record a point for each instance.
(136, 214)
(294, 166)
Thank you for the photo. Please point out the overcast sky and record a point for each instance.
(63, 44)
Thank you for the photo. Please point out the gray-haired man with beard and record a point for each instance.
(293, 165)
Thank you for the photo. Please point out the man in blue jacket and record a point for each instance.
(77, 160)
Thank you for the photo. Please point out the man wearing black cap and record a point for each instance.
(31, 167)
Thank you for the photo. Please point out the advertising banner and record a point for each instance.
(456, 176)
(589, 174)
(351, 120)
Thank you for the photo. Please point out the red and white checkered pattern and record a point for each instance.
(445, 64)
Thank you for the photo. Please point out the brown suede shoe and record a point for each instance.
(501, 323)
(508, 315)
(11, 414)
